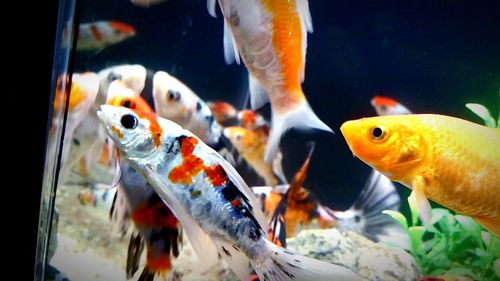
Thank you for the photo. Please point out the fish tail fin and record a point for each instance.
(378, 194)
(492, 224)
(284, 265)
(302, 117)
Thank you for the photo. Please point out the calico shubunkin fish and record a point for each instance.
(209, 198)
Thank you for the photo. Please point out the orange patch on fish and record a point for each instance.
(379, 100)
(117, 131)
(192, 165)
(154, 126)
(95, 31)
(123, 27)
(161, 263)
(156, 216)
(287, 42)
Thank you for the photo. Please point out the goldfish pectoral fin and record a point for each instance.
(258, 95)
(424, 207)
(492, 224)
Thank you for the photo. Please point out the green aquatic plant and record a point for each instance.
(451, 244)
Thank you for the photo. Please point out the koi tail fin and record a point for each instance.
(302, 117)
(284, 265)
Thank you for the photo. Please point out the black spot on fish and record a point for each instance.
(357, 218)
(236, 248)
(292, 265)
(278, 265)
(199, 106)
(195, 193)
(226, 252)
(112, 76)
(76, 141)
(288, 252)
(296, 260)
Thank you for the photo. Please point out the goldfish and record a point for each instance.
(271, 38)
(212, 202)
(448, 160)
(251, 146)
(222, 111)
(134, 76)
(95, 36)
(177, 102)
(387, 106)
(250, 119)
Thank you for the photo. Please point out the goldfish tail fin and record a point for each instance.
(302, 117)
(284, 265)
(135, 248)
(492, 224)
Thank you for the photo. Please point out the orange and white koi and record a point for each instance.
(271, 38)
(209, 198)
(387, 106)
(177, 102)
(449, 160)
(250, 119)
(297, 208)
(96, 36)
(156, 224)
(134, 77)
(222, 111)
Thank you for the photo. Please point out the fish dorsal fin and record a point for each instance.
(258, 96)
(237, 260)
(201, 242)
(244, 189)
(230, 50)
(211, 7)
(306, 26)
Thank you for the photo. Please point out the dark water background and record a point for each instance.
(434, 56)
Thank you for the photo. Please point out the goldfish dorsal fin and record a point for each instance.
(492, 224)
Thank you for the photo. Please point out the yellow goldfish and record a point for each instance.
(451, 161)
(251, 145)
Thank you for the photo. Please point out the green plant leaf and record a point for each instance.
(496, 267)
(400, 218)
(494, 247)
(469, 224)
(481, 111)
(461, 270)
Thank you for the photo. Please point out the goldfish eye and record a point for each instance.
(378, 133)
(383, 108)
(129, 121)
(238, 137)
(112, 76)
(173, 95)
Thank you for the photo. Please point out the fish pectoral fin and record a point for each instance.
(258, 95)
(491, 224)
(424, 207)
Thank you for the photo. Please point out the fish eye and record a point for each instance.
(112, 76)
(173, 95)
(377, 133)
(198, 106)
(357, 218)
(383, 108)
(128, 104)
(128, 121)
(238, 137)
